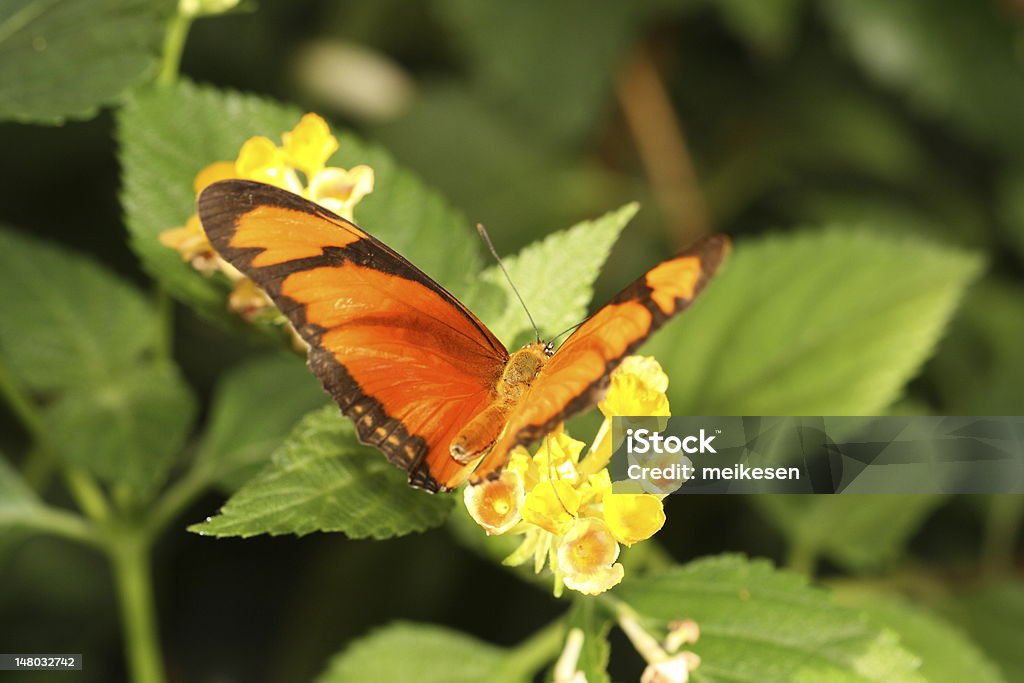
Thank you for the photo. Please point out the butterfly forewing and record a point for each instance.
(404, 359)
(577, 376)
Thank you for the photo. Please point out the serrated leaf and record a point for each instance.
(128, 429)
(322, 480)
(954, 60)
(168, 135)
(418, 654)
(827, 322)
(67, 321)
(992, 615)
(255, 406)
(63, 59)
(947, 654)
(555, 278)
(760, 624)
(860, 532)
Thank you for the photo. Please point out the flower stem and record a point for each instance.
(174, 45)
(533, 653)
(129, 554)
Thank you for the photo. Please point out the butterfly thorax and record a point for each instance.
(477, 437)
(522, 368)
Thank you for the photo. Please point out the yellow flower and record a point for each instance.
(247, 299)
(193, 245)
(552, 505)
(309, 145)
(306, 149)
(339, 190)
(569, 518)
(261, 160)
(638, 387)
(497, 504)
(633, 517)
(218, 170)
(586, 557)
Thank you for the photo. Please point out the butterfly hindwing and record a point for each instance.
(402, 357)
(577, 375)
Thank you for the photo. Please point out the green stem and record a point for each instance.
(802, 558)
(129, 553)
(528, 657)
(87, 494)
(20, 404)
(174, 500)
(1002, 528)
(57, 522)
(174, 45)
(85, 491)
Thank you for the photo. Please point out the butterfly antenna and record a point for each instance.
(568, 330)
(490, 245)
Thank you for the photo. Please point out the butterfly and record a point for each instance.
(422, 378)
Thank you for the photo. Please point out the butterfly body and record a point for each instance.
(522, 368)
(422, 378)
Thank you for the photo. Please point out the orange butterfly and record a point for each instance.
(424, 380)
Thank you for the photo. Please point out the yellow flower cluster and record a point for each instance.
(563, 505)
(305, 150)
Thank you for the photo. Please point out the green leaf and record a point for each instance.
(993, 615)
(555, 278)
(522, 65)
(322, 480)
(255, 406)
(168, 135)
(977, 368)
(16, 498)
(129, 429)
(63, 59)
(954, 60)
(769, 27)
(418, 654)
(828, 322)
(22, 514)
(860, 532)
(68, 322)
(947, 655)
(759, 624)
(595, 625)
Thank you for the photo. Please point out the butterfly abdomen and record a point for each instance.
(477, 437)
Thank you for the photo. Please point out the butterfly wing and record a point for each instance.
(577, 376)
(402, 357)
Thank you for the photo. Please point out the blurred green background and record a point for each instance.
(739, 116)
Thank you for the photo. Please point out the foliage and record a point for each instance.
(864, 155)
